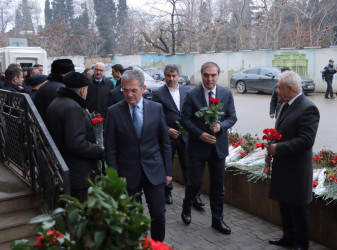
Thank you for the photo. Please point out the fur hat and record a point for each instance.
(76, 80)
(36, 80)
(62, 66)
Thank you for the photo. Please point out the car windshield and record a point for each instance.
(146, 75)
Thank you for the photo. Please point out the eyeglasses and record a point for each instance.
(133, 91)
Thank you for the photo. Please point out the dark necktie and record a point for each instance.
(136, 121)
(210, 94)
(284, 109)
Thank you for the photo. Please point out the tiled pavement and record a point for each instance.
(248, 231)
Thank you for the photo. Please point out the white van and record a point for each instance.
(25, 56)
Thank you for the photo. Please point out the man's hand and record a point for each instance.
(173, 133)
(271, 149)
(272, 116)
(268, 159)
(216, 128)
(208, 138)
(168, 180)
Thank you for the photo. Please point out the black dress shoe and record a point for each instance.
(198, 203)
(286, 242)
(221, 226)
(186, 217)
(332, 97)
(168, 199)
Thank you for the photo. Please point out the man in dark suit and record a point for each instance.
(207, 143)
(172, 96)
(98, 91)
(138, 147)
(292, 161)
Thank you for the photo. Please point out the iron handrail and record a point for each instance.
(27, 148)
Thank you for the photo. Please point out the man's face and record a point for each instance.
(171, 78)
(210, 77)
(283, 91)
(40, 69)
(331, 63)
(116, 74)
(34, 72)
(132, 91)
(99, 71)
(18, 80)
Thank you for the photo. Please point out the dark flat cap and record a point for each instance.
(76, 80)
(331, 60)
(36, 80)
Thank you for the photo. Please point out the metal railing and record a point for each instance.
(27, 148)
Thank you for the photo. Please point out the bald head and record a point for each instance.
(99, 70)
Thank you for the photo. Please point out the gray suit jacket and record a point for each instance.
(291, 180)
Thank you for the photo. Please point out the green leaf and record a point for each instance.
(99, 238)
(47, 224)
(40, 218)
(73, 216)
(59, 223)
(58, 211)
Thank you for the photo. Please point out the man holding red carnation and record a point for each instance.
(292, 161)
(207, 143)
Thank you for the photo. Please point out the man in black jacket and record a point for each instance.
(47, 93)
(327, 76)
(71, 128)
(172, 96)
(98, 91)
(14, 79)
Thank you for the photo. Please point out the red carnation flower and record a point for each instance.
(314, 184)
(260, 145)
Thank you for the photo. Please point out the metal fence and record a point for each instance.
(27, 148)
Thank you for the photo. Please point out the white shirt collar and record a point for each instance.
(292, 100)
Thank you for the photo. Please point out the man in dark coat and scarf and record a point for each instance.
(70, 126)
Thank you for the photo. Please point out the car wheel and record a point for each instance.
(241, 87)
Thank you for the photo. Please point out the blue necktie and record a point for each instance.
(136, 121)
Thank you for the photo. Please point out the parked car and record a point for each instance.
(158, 73)
(263, 79)
(151, 83)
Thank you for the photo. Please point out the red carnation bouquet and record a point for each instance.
(271, 136)
(149, 243)
(212, 113)
(97, 122)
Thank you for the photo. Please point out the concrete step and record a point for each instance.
(6, 245)
(18, 201)
(14, 225)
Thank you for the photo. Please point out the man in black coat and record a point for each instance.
(327, 76)
(292, 166)
(47, 93)
(14, 79)
(98, 91)
(207, 143)
(70, 126)
(172, 96)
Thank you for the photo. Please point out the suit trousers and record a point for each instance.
(216, 167)
(178, 145)
(329, 90)
(155, 199)
(295, 223)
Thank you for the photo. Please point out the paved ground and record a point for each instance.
(248, 231)
(252, 110)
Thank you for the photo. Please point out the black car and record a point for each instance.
(263, 79)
